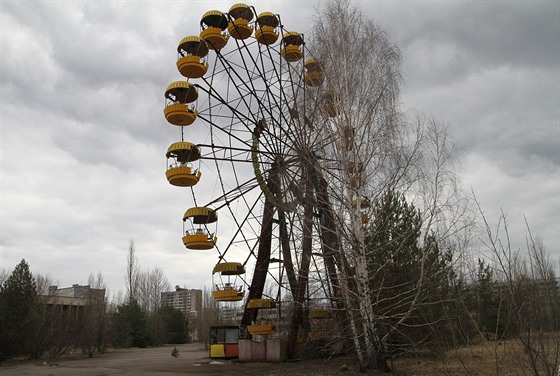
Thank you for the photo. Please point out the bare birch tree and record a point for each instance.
(132, 271)
(151, 283)
(378, 150)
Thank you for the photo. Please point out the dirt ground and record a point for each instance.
(157, 361)
(487, 359)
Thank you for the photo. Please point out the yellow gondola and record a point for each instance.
(202, 215)
(198, 237)
(228, 291)
(266, 30)
(177, 111)
(261, 304)
(241, 15)
(348, 135)
(321, 313)
(330, 106)
(322, 324)
(292, 51)
(356, 181)
(214, 24)
(314, 73)
(262, 326)
(355, 167)
(200, 241)
(361, 203)
(191, 62)
(179, 171)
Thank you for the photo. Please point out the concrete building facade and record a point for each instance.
(73, 300)
(188, 301)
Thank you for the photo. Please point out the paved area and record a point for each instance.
(192, 360)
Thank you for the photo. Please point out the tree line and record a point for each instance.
(32, 328)
(461, 301)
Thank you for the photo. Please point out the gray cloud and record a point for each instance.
(84, 137)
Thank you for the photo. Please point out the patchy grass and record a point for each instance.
(496, 358)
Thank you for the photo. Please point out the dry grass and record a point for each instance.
(496, 358)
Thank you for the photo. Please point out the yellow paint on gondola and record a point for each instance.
(330, 105)
(200, 241)
(177, 111)
(266, 31)
(201, 215)
(261, 329)
(363, 204)
(314, 73)
(228, 295)
(180, 114)
(214, 23)
(182, 176)
(355, 167)
(292, 51)
(192, 50)
(228, 291)
(179, 172)
(229, 268)
(261, 304)
(356, 181)
(183, 152)
(241, 15)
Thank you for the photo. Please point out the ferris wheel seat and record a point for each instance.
(261, 329)
(190, 66)
(201, 215)
(355, 167)
(229, 268)
(182, 176)
(362, 204)
(356, 181)
(239, 29)
(314, 78)
(292, 53)
(215, 38)
(180, 114)
(320, 314)
(199, 241)
(331, 110)
(266, 35)
(261, 304)
(347, 145)
(228, 295)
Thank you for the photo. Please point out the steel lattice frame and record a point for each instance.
(269, 146)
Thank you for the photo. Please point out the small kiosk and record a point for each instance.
(224, 342)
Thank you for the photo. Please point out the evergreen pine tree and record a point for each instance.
(405, 274)
(18, 296)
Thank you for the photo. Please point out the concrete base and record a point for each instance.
(269, 350)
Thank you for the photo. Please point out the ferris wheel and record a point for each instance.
(257, 166)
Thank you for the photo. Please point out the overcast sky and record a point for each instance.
(83, 137)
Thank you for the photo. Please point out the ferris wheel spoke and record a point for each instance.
(265, 106)
(238, 114)
(244, 239)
